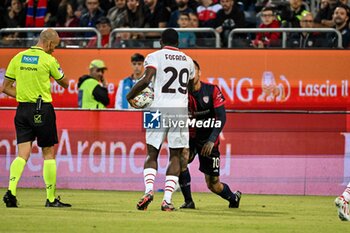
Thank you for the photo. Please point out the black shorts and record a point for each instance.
(208, 165)
(30, 125)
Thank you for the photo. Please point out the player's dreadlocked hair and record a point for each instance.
(170, 37)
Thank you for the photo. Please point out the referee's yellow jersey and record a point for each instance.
(32, 69)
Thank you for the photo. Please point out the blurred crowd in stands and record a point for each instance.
(221, 15)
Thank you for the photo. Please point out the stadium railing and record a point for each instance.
(155, 43)
(75, 30)
(284, 32)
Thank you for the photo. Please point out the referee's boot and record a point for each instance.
(188, 205)
(9, 199)
(235, 202)
(57, 203)
(145, 200)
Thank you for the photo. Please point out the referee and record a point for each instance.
(35, 116)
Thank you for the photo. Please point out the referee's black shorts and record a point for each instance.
(43, 127)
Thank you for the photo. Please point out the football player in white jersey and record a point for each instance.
(342, 204)
(173, 73)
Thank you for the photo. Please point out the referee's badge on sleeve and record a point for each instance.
(60, 70)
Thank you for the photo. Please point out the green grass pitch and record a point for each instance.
(115, 211)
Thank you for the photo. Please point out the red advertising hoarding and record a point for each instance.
(270, 153)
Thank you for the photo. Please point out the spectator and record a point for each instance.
(39, 14)
(325, 13)
(93, 93)
(228, 18)
(323, 4)
(117, 13)
(207, 12)
(66, 18)
(35, 17)
(186, 39)
(105, 5)
(341, 22)
(80, 8)
(65, 15)
(306, 39)
(267, 39)
(16, 16)
(182, 6)
(90, 18)
(156, 14)
(194, 21)
(127, 83)
(135, 17)
(103, 25)
(52, 8)
(291, 14)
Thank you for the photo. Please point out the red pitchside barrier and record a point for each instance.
(270, 153)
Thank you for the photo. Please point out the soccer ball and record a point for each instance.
(144, 98)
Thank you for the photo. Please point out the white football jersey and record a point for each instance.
(174, 69)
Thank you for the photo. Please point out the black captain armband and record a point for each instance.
(12, 79)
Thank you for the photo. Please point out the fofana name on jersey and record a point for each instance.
(175, 57)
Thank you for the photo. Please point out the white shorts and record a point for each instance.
(177, 137)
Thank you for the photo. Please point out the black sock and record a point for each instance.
(185, 185)
(227, 194)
